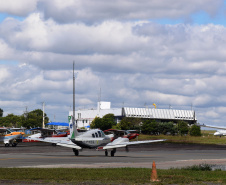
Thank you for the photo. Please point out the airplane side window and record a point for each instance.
(96, 134)
(93, 135)
(102, 133)
(99, 133)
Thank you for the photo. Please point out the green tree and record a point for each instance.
(167, 128)
(195, 131)
(34, 119)
(11, 120)
(107, 122)
(150, 127)
(96, 123)
(124, 124)
(130, 123)
(183, 128)
(1, 112)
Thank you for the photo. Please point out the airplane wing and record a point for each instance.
(211, 126)
(65, 142)
(16, 129)
(43, 129)
(3, 129)
(123, 142)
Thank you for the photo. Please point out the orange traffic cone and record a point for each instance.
(154, 176)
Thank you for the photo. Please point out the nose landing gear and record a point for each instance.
(112, 152)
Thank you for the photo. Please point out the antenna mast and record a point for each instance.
(43, 117)
(73, 119)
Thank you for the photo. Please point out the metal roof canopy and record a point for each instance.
(159, 113)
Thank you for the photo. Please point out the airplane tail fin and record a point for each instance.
(73, 129)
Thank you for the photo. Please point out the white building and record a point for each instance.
(86, 116)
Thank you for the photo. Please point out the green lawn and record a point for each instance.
(206, 138)
(108, 176)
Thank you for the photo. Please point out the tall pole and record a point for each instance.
(43, 110)
(73, 120)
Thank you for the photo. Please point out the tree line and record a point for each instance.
(146, 126)
(28, 120)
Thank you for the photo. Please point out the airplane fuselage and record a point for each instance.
(92, 139)
(220, 133)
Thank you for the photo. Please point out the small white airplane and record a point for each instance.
(92, 139)
(221, 132)
(9, 137)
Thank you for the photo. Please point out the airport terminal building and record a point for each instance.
(84, 117)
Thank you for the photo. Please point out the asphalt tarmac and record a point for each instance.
(165, 155)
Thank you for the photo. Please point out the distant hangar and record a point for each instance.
(85, 117)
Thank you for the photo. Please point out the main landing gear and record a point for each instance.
(13, 144)
(112, 152)
(76, 152)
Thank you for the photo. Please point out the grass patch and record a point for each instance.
(206, 138)
(200, 167)
(108, 176)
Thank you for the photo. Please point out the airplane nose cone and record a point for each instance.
(216, 134)
(22, 133)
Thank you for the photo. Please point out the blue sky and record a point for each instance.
(164, 52)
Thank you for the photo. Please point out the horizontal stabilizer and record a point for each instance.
(70, 146)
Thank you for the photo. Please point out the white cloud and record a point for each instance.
(116, 47)
(95, 11)
(4, 74)
(18, 7)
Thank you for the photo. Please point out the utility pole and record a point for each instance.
(43, 110)
(26, 113)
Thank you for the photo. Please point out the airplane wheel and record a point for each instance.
(14, 144)
(53, 144)
(7, 145)
(75, 152)
(112, 153)
(106, 153)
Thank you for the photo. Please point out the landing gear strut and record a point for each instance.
(113, 152)
(14, 144)
(75, 152)
(106, 153)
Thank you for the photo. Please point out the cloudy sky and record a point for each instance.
(167, 52)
